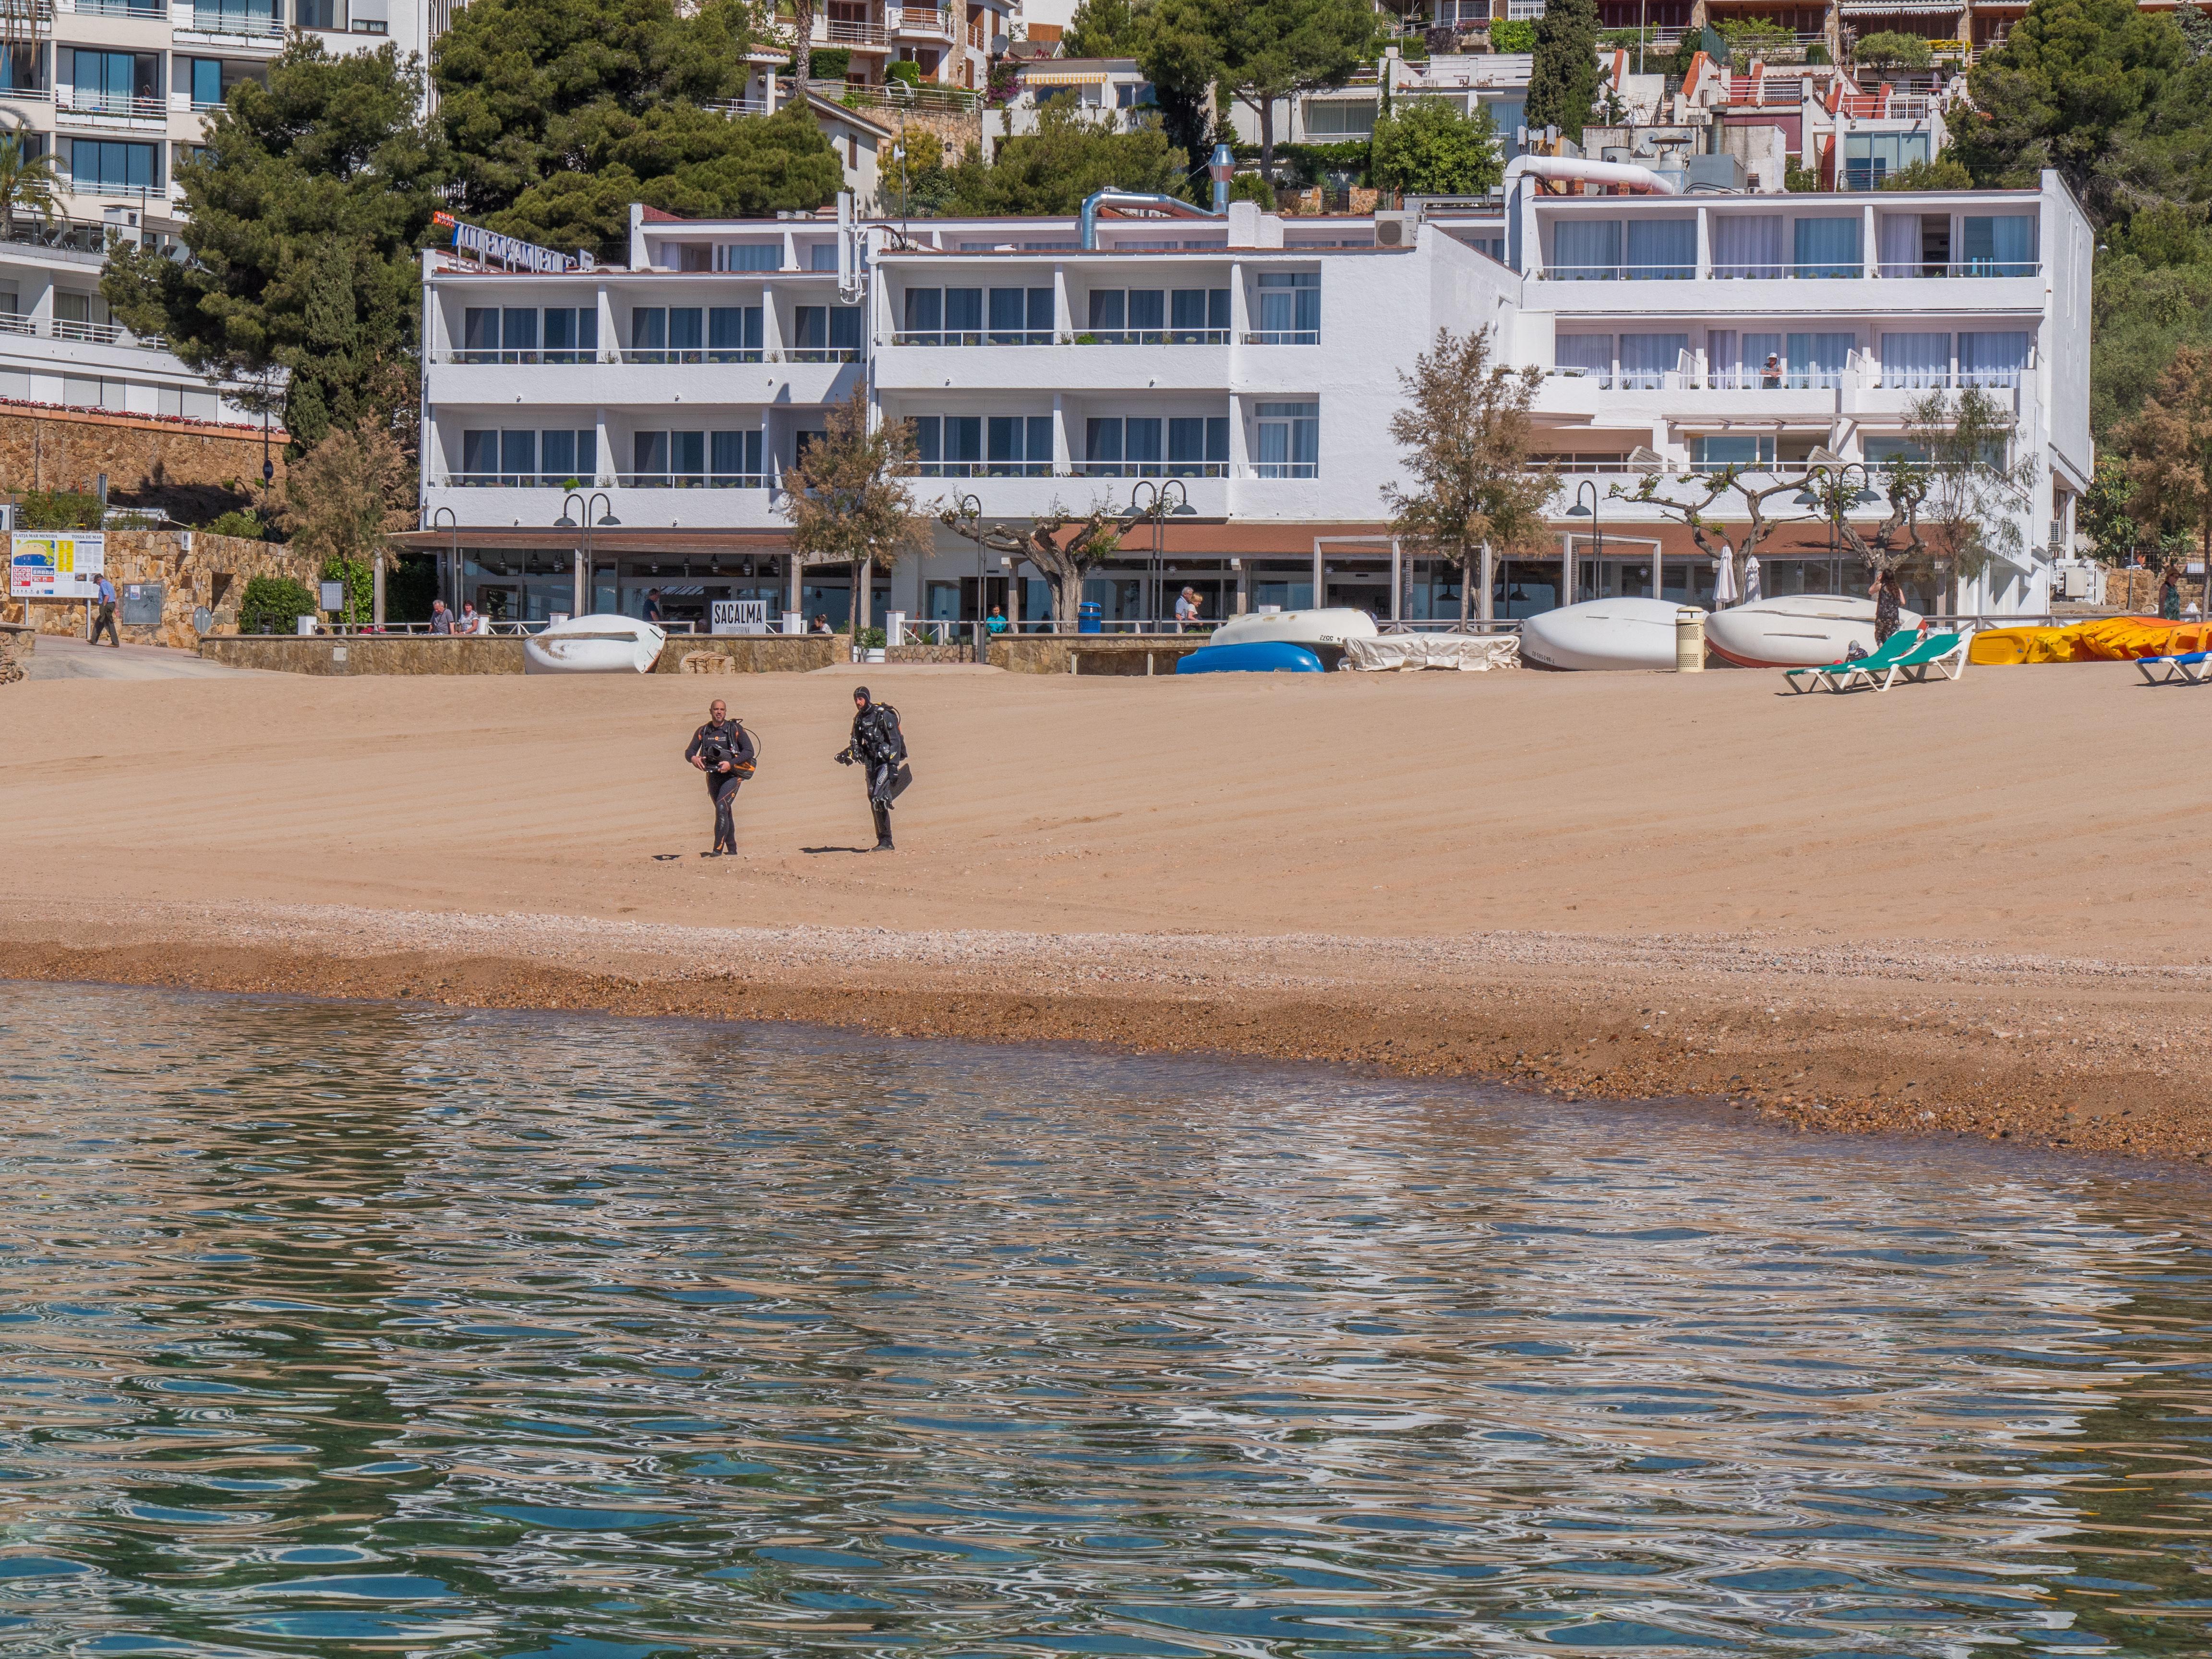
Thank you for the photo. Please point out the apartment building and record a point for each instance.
(1227, 383)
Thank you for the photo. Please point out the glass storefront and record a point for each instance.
(522, 585)
(687, 584)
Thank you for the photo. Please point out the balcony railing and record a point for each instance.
(147, 9)
(223, 19)
(14, 323)
(923, 20)
(89, 333)
(850, 34)
(819, 354)
(985, 470)
(695, 354)
(1284, 336)
(1281, 470)
(515, 480)
(694, 481)
(496, 357)
(1153, 337)
(73, 101)
(1149, 469)
(25, 96)
(894, 95)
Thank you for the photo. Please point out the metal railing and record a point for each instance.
(736, 106)
(514, 481)
(88, 333)
(15, 323)
(817, 354)
(694, 355)
(896, 95)
(1279, 470)
(850, 34)
(149, 8)
(693, 481)
(1153, 337)
(923, 20)
(1149, 469)
(489, 356)
(1284, 336)
(26, 96)
(251, 26)
(987, 469)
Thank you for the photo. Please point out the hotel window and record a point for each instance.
(1819, 360)
(2001, 246)
(1018, 446)
(1646, 359)
(1585, 250)
(572, 334)
(111, 80)
(1747, 246)
(322, 14)
(1749, 452)
(1123, 447)
(943, 316)
(1340, 117)
(1871, 157)
(1827, 247)
(667, 461)
(1198, 447)
(734, 334)
(101, 166)
(521, 457)
(19, 67)
(734, 459)
(1884, 454)
(750, 256)
(670, 334)
(1021, 316)
(825, 334)
(1199, 316)
(1136, 316)
(1992, 359)
(948, 445)
(1289, 441)
(1661, 250)
(1588, 357)
(1290, 308)
(1916, 360)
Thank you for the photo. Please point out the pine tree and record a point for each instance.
(1563, 82)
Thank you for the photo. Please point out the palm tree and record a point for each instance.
(27, 184)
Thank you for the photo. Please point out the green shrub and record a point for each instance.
(907, 71)
(271, 604)
(826, 63)
(360, 579)
(57, 509)
(238, 522)
(1889, 50)
(1513, 34)
(1251, 187)
(1803, 180)
(410, 585)
(1944, 173)
(1816, 54)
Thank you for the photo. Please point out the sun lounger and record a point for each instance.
(2190, 668)
(1946, 654)
(1884, 654)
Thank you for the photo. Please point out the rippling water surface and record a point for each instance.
(352, 1330)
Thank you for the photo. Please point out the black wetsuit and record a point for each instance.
(715, 744)
(881, 748)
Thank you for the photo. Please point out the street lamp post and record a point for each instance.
(1597, 539)
(1156, 510)
(583, 568)
(452, 558)
(970, 511)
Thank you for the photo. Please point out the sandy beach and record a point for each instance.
(1969, 909)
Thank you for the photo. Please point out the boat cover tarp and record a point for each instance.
(1470, 653)
(2105, 639)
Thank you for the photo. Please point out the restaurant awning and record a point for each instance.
(1064, 77)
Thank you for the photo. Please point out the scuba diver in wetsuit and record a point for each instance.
(725, 752)
(879, 747)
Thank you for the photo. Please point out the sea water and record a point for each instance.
(357, 1329)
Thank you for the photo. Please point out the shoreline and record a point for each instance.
(2079, 1055)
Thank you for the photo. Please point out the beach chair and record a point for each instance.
(1884, 654)
(2189, 668)
(1946, 654)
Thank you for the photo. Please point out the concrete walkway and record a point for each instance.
(63, 657)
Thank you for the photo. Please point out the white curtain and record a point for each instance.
(1819, 360)
(1591, 353)
(1917, 360)
(1991, 359)
(1899, 245)
(1646, 359)
(1585, 250)
(1746, 245)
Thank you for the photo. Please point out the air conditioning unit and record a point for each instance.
(1397, 229)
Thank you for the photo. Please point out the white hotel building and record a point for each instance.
(1247, 365)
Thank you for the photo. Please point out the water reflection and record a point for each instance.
(345, 1330)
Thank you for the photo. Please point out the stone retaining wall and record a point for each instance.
(755, 653)
(148, 460)
(17, 642)
(2135, 591)
(1089, 654)
(368, 653)
(193, 568)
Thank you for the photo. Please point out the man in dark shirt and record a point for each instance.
(879, 747)
(725, 751)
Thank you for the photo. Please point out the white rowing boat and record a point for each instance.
(1797, 630)
(594, 645)
(1623, 635)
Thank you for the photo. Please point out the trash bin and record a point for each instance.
(1689, 642)
(1087, 617)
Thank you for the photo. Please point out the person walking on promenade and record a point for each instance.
(104, 618)
(725, 752)
(879, 747)
(1889, 597)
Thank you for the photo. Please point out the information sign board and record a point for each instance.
(56, 564)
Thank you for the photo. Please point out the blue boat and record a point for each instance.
(1259, 657)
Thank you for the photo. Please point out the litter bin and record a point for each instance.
(1087, 619)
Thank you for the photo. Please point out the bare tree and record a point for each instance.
(1973, 497)
(1691, 502)
(1065, 560)
(849, 502)
(343, 500)
(1465, 436)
